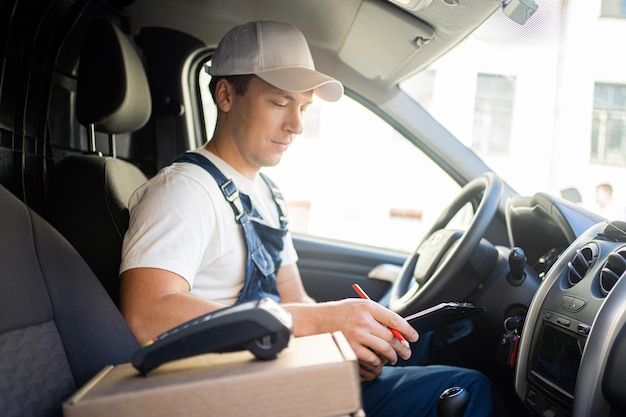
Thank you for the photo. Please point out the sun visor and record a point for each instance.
(376, 52)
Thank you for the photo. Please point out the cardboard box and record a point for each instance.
(313, 376)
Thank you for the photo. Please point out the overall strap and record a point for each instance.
(263, 243)
(278, 199)
(230, 191)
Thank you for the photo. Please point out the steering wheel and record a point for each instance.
(430, 275)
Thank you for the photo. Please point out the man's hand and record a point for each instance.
(369, 372)
(364, 323)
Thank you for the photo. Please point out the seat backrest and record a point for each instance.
(58, 327)
(89, 206)
(88, 194)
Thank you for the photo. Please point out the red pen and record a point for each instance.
(396, 333)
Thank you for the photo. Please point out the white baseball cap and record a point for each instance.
(277, 53)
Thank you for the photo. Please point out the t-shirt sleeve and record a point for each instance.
(171, 221)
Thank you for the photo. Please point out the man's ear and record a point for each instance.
(224, 95)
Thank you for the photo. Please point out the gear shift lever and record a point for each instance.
(452, 402)
(517, 261)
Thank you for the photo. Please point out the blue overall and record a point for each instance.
(410, 391)
(263, 243)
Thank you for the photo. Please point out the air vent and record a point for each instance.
(580, 264)
(612, 270)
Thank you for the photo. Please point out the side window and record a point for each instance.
(350, 176)
(608, 135)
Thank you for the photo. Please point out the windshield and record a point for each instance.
(543, 104)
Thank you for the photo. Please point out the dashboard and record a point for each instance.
(572, 352)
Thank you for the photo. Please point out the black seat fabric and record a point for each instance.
(88, 194)
(58, 327)
(90, 208)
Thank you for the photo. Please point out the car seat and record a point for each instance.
(88, 194)
(58, 327)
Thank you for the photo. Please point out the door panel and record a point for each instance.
(329, 268)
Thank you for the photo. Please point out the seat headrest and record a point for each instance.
(112, 91)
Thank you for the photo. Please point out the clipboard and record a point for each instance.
(442, 315)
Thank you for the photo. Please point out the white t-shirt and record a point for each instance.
(181, 222)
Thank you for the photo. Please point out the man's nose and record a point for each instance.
(295, 121)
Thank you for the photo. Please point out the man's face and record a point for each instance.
(264, 121)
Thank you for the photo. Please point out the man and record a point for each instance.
(605, 204)
(209, 230)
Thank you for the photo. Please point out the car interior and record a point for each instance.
(97, 95)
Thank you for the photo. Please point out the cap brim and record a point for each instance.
(298, 79)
